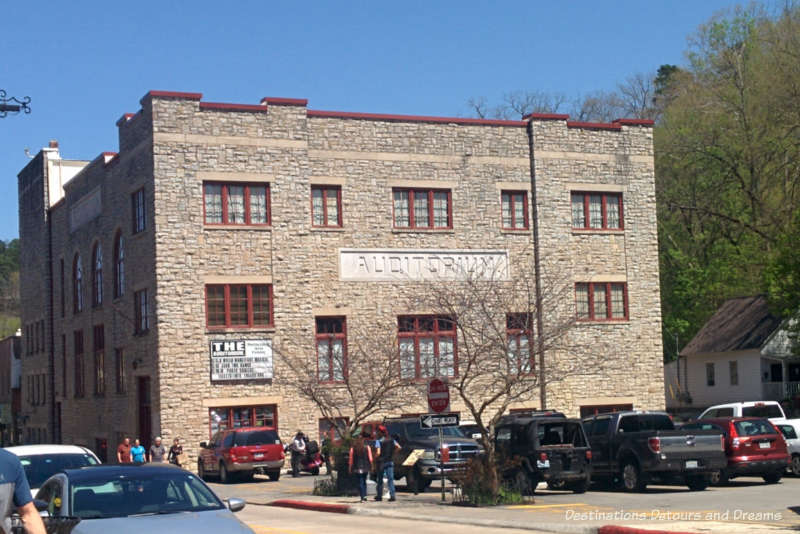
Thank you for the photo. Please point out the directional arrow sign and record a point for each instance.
(438, 420)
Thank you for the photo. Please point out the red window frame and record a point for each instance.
(509, 195)
(586, 219)
(517, 326)
(252, 408)
(608, 285)
(436, 334)
(250, 306)
(99, 360)
(141, 311)
(139, 214)
(224, 199)
(97, 275)
(80, 377)
(325, 189)
(430, 192)
(330, 336)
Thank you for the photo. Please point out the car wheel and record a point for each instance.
(697, 482)
(274, 475)
(720, 478)
(632, 477)
(556, 484)
(796, 465)
(201, 471)
(772, 478)
(224, 476)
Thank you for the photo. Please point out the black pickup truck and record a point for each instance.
(632, 448)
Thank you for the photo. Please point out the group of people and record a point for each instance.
(362, 460)
(136, 453)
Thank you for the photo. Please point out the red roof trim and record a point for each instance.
(175, 94)
(278, 101)
(109, 158)
(411, 118)
(594, 125)
(635, 122)
(222, 106)
(546, 117)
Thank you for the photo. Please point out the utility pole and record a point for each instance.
(13, 105)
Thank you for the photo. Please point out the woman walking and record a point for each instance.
(360, 462)
(175, 452)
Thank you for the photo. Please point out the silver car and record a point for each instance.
(139, 498)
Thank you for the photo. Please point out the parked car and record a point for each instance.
(411, 437)
(551, 449)
(43, 461)
(240, 453)
(470, 429)
(771, 410)
(132, 499)
(791, 434)
(754, 447)
(633, 448)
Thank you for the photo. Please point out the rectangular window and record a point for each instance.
(119, 366)
(597, 211)
(518, 334)
(77, 338)
(99, 360)
(64, 372)
(710, 374)
(331, 341)
(733, 368)
(427, 346)
(601, 301)
(242, 416)
(515, 210)
(422, 208)
(326, 206)
(238, 305)
(236, 203)
(141, 315)
(138, 209)
(61, 279)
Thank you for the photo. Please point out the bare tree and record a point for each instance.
(638, 96)
(516, 104)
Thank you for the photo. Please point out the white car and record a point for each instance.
(772, 410)
(43, 461)
(791, 433)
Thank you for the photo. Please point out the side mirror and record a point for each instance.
(234, 504)
(41, 506)
(203, 444)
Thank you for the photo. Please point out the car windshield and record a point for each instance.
(416, 432)
(257, 437)
(561, 433)
(40, 467)
(769, 411)
(756, 427)
(113, 495)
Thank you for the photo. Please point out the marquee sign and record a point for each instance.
(243, 359)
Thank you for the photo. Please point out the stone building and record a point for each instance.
(158, 277)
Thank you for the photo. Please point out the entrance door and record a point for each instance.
(145, 415)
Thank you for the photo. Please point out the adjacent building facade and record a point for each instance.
(160, 277)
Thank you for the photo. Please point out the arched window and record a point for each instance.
(77, 284)
(97, 275)
(119, 266)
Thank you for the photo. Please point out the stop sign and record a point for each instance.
(438, 396)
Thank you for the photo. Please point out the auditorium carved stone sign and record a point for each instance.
(391, 265)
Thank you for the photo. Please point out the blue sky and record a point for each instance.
(84, 64)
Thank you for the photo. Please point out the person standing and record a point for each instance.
(15, 493)
(386, 448)
(298, 448)
(157, 451)
(175, 452)
(124, 451)
(360, 462)
(138, 452)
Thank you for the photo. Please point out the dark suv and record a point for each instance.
(241, 452)
(550, 449)
(411, 436)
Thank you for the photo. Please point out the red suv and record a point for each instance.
(754, 447)
(240, 453)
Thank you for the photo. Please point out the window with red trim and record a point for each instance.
(427, 346)
(518, 333)
(326, 206)
(601, 301)
(238, 305)
(99, 360)
(97, 275)
(236, 203)
(422, 208)
(597, 211)
(515, 210)
(331, 339)
(77, 341)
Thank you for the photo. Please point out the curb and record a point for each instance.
(313, 506)
(614, 529)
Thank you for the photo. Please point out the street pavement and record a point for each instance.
(747, 505)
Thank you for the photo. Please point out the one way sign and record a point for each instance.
(438, 420)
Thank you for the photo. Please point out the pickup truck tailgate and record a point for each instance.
(701, 450)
